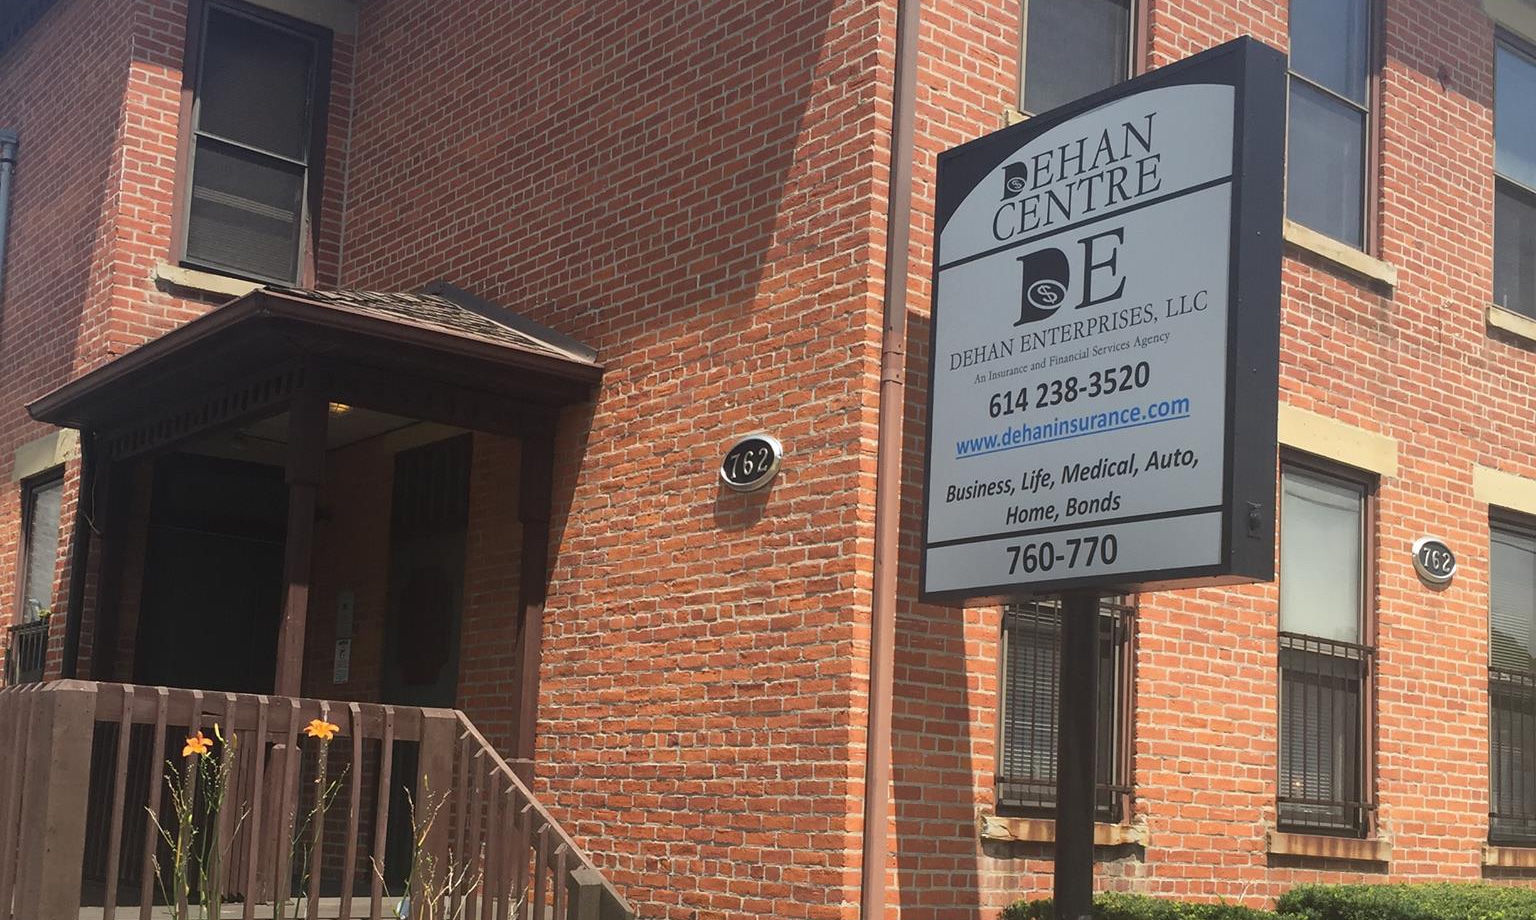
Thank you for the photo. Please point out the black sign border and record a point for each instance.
(1257, 74)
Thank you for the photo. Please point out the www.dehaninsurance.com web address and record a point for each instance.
(1061, 429)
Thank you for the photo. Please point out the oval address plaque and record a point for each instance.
(1433, 560)
(751, 462)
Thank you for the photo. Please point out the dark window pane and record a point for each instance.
(1320, 756)
(1330, 44)
(1072, 48)
(43, 506)
(1512, 739)
(1325, 172)
(1514, 248)
(1514, 117)
(255, 85)
(1027, 761)
(245, 212)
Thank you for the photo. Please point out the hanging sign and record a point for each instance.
(1105, 340)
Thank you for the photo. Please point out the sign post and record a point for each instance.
(1105, 352)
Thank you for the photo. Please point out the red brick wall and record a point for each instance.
(697, 190)
(683, 187)
(1416, 363)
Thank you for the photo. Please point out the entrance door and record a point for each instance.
(428, 519)
(213, 575)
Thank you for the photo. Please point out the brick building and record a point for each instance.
(477, 294)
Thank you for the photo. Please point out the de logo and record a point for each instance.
(1047, 274)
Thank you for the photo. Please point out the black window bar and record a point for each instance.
(27, 654)
(1512, 813)
(1322, 705)
(1026, 778)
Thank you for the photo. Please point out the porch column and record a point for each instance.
(533, 504)
(113, 483)
(307, 417)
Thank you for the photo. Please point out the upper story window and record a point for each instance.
(1026, 775)
(1325, 654)
(1512, 685)
(1514, 168)
(1072, 48)
(1328, 158)
(257, 116)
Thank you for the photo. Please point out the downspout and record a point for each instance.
(888, 468)
(8, 144)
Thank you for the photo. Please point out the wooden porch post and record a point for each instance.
(111, 509)
(533, 504)
(307, 416)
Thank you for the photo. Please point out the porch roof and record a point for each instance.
(441, 335)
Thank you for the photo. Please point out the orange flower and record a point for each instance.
(197, 744)
(319, 728)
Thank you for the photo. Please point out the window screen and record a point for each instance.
(255, 110)
(1073, 48)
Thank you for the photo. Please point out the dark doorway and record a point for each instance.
(428, 519)
(213, 575)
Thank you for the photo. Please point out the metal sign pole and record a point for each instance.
(1077, 713)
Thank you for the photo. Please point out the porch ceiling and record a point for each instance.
(439, 337)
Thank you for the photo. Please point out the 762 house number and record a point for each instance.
(751, 462)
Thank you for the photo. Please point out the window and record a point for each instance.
(1512, 684)
(1072, 48)
(1026, 780)
(41, 503)
(1327, 182)
(256, 116)
(1514, 185)
(1325, 658)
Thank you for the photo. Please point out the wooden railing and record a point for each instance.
(404, 808)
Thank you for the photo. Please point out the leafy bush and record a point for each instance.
(1117, 906)
(1436, 901)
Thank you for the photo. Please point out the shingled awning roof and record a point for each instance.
(440, 336)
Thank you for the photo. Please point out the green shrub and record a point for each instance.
(1117, 906)
(1436, 901)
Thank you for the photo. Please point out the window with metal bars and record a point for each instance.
(1512, 685)
(1026, 779)
(1325, 662)
(41, 506)
(256, 124)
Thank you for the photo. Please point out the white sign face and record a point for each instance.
(1080, 357)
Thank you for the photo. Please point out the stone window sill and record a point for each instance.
(1341, 255)
(204, 282)
(1516, 324)
(1043, 830)
(1318, 846)
(1506, 857)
